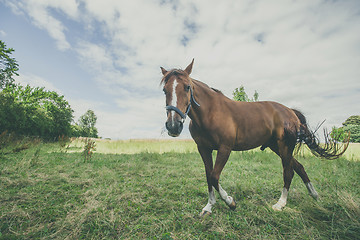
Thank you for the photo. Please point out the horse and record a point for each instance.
(219, 123)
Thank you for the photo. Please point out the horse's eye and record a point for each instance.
(164, 90)
(187, 88)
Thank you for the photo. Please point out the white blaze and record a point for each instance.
(174, 100)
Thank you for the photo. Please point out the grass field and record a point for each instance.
(156, 189)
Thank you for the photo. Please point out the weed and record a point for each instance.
(64, 143)
(35, 159)
(89, 148)
(20, 147)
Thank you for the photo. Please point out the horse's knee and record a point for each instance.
(214, 180)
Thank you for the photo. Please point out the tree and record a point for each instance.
(352, 125)
(352, 120)
(239, 94)
(8, 65)
(34, 111)
(86, 125)
(30, 111)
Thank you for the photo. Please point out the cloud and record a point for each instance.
(40, 13)
(302, 54)
(2, 33)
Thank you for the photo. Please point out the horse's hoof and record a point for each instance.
(277, 207)
(315, 196)
(232, 205)
(204, 214)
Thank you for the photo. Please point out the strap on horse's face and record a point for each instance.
(183, 115)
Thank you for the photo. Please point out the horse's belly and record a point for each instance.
(247, 140)
(244, 146)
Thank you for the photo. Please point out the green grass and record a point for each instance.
(138, 146)
(155, 190)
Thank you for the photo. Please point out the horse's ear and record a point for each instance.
(189, 68)
(163, 71)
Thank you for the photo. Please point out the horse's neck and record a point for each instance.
(206, 97)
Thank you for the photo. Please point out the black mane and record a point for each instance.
(217, 90)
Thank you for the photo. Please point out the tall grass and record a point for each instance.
(139, 146)
(49, 194)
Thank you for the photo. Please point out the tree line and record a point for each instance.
(35, 111)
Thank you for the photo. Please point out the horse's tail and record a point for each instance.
(331, 149)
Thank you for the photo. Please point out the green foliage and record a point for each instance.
(352, 125)
(75, 130)
(338, 134)
(85, 127)
(8, 65)
(354, 132)
(352, 120)
(239, 94)
(87, 123)
(30, 111)
(34, 112)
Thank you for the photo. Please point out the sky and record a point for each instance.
(105, 55)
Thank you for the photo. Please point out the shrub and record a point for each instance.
(34, 112)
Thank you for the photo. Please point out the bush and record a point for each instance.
(354, 132)
(352, 125)
(34, 112)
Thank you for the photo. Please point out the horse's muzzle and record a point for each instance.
(174, 127)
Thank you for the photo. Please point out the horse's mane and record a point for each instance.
(217, 90)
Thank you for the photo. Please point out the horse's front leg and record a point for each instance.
(206, 155)
(221, 159)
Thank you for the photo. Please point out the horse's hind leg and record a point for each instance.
(285, 153)
(299, 169)
(288, 174)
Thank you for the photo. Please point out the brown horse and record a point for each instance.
(219, 123)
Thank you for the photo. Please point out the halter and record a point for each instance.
(183, 115)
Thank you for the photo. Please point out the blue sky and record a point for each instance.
(105, 55)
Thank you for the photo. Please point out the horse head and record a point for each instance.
(179, 95)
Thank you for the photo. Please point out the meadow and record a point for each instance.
(141, 189)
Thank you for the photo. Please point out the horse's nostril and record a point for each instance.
(180, 123)
(174, 127)
(168, 126)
